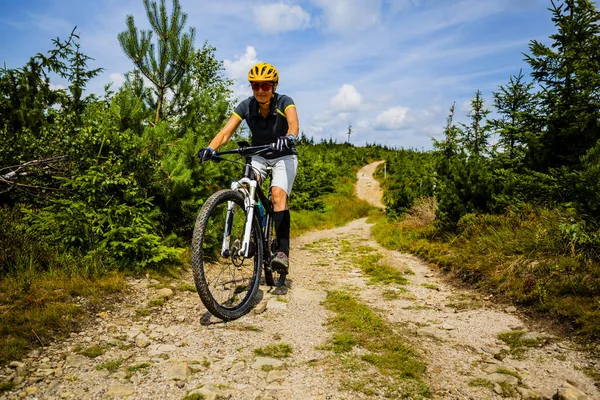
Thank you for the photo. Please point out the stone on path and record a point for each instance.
(76, 360)
(177, 371)
(261, 307)
(428, 331)
(161, 350)
(120, 391)
(570, 392)
(276, 375)
(497, 377)
(142, 340)
(164, 293)
(275, 304)
(267, 362)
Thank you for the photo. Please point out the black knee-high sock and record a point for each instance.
(282, 230)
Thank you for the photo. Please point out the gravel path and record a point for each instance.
(174, 350)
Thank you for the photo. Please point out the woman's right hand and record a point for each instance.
(205, 154)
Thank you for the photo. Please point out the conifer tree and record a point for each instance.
(165, 63)
(476, 132)
(568, 72)
(450, 146)
(517, 126)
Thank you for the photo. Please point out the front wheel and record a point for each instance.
(225, 279)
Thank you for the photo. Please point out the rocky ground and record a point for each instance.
(160, 343)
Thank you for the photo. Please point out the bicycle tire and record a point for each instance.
(273, 277)
(226, 284)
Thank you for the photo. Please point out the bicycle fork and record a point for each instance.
(249, 203)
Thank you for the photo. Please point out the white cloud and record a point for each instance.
(280, 17)
(117, 78)
(57, 87)
(238, 69)
(350, 15)
(346, 99)
(393, 118)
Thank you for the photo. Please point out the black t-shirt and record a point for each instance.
(267, 130)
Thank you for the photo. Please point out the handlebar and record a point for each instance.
(244, 151)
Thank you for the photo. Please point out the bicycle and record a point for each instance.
(232, 241)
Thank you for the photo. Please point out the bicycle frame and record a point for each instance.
(250, 189)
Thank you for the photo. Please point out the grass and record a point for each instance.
(517, 342)
(46, 305)
(481, 382)
(186, 287)
(111, 366)
(93, 351)
(356, 326)
(281, 350)
(379, 272)
(138, 367)
(143, 312)
(156, 303)
(530, 256)
(340, 208)
(389, 294)
(6, 386)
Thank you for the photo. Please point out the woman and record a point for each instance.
(271, 118)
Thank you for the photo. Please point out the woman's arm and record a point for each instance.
(225, 134)
(292, 119)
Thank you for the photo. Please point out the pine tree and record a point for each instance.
(450, 146)
(165, 63)
(517, 126)
(568, 72)
(476, 133)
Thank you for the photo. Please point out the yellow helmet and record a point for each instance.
(263, 72)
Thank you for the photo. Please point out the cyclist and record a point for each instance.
(271, 118)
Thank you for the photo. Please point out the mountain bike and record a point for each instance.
(234, 239)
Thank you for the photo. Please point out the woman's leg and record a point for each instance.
(284, 173)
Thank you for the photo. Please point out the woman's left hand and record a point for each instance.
(284, 143)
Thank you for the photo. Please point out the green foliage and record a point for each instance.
(165, 63)
(517, 125)
(543, 258)
(410, 176)
(466, 184)
(476, 134)
(568, 72)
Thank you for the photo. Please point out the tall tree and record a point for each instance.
(516, 125)
(165, 63)
(450, 146)
(568, 72)
(477, 132)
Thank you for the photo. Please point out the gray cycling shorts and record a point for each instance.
(284, 170)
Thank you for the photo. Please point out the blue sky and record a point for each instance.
(390, 68)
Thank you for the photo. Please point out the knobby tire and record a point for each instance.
(227, 286)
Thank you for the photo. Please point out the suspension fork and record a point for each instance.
(248, 189)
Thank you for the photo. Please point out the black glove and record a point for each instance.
(284, 143)
(205, 154)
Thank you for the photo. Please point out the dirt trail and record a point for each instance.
(154, 351)
(368, 188)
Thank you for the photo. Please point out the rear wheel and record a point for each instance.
(225, 279)
(273, 276)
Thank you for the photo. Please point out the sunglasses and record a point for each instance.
(266, 86)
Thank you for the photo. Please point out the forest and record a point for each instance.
(93, 186)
